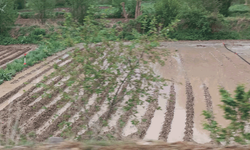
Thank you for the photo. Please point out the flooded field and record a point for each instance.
(195, 71)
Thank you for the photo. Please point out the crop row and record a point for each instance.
(32, 58)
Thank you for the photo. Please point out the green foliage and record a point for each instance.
(130, 6)
(26, 15)
(166, 11)
(61, 3)
(79, 9)
(148, 8)
(8, 15)
(46, 49)
(236, 110)
(25, 35)
(198, 24)
(225, 4)
(239, 10)
(20, 4)
(44, 8)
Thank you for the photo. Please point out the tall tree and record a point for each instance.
(8, 14)
(44, 8)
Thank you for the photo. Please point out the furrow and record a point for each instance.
(60, 101)
(13, 57)
(99, 123)
(208, 99)
(17, 92)
(55, 60)
(169, 115)
(145, 123)
(25, 114)
(6, 54)
(30, 110)
(188, 134)
(63, 114)
(24, 100)
(2, 52)
(33, 120)
(57, 80)
(60, 124)
(88, 116)
(35, 78)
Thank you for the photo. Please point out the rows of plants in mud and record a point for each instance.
(101, 72)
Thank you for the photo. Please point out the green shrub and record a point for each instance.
(61, 3)
(239, 10)
(236, 110)
(167, 11)
(26, 15)
(8, 15)
(44, 8)
(224, 7)
(20, 4)
(148, 8)
(198, 24)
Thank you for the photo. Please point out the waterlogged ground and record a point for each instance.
(195, 71)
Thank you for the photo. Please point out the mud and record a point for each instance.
(208, 98)
(147, 118)
(196, 69)
(169, 115)
(189, 113)
(107, 114)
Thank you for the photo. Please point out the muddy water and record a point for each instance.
(211, 64)
(157, 121)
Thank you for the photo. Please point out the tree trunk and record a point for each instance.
(124, 11)
(138, 9)
(246, 2)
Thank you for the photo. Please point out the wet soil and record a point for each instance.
(195, 70)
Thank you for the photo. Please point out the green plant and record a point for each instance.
(236, 110)
(8, 15)
(26, 15)
(20, 4)
(79, 9)
(166, 11)
(44, 8)
(224, 7)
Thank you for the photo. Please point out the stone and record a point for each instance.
(55, 140)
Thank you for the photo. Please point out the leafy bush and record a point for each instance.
(79, 9)
(20, 4)
(239, 10)
(148, 8)
(129, 7)
(167, 11)
(8, 15)
(198, 24)
(61, 3)
(26, 15)
(237, 111)
(225, 4)
(44, 8)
